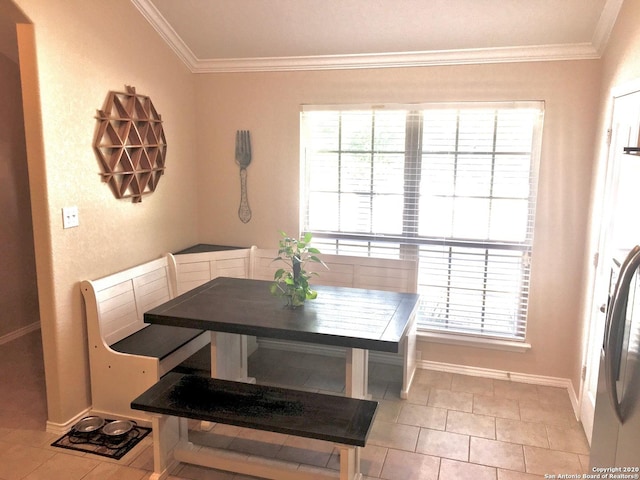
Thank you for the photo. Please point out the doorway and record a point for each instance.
(21, 352)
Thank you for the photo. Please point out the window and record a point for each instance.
(452, 186)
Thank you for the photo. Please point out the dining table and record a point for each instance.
(359, 320)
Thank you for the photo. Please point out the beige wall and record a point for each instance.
(18, 291)
(269, 103)
(84, 49)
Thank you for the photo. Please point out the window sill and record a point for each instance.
(462, 340)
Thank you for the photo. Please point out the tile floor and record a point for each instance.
(452, 427)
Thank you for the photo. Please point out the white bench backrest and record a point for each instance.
(389, 274)
(122, 298)
(262, 265)
(194, 269)
(347, 271)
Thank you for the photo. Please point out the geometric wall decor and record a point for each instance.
(130, 144)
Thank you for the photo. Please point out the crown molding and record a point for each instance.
(536, 53)
(605, 25)
(166, 31)
(541, 53)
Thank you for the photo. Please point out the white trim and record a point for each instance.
(575, 403)
(626, 88)
(605, 25)
(477, 342)
(366, 108)
(62, 428)
(506, 375)
(166, 31)
(537, 53)
(19, 333)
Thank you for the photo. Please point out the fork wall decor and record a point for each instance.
(130, 144)
(243, 159)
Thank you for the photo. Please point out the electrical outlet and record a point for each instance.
(70, 217)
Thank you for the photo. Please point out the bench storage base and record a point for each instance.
(252, 465)
(176, 398)
(126, 355)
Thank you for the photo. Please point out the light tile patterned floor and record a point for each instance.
(451, 427)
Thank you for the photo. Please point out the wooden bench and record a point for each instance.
(389, 274)
(194, 269)
(176, 398)
(126, 355)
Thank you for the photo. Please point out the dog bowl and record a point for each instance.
(88, 425)
(118, 428)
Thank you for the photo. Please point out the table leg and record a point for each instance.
(229, 357)
(166, 435)
(229, 360)
(350, 463)
(409, 357)
(357, 383)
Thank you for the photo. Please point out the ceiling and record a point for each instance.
(270, 35)
(263, 35)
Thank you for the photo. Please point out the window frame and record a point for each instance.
(409, 241)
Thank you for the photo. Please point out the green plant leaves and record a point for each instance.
(293, 283)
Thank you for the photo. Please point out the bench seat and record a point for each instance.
(158, 341)
(126, 355)
(325, 417)
(344, 421)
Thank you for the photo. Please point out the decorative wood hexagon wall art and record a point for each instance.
(130, 144)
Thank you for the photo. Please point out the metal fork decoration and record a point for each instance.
(243, 159)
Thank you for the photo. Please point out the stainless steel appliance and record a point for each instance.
(616, 427)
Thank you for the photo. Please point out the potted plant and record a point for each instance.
(292, 283)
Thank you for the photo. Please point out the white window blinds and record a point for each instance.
(453, 186)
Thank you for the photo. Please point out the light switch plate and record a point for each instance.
(70, 217)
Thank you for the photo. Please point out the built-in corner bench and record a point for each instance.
(343, 421)
(127, 356)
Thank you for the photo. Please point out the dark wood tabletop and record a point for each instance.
(341, 316)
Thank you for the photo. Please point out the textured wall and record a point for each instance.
(83, 49)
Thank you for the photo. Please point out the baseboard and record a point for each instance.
(19, 333)
(62, 428)
(327, 350)
(575, 402)
(137, 416)
(506, 375)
